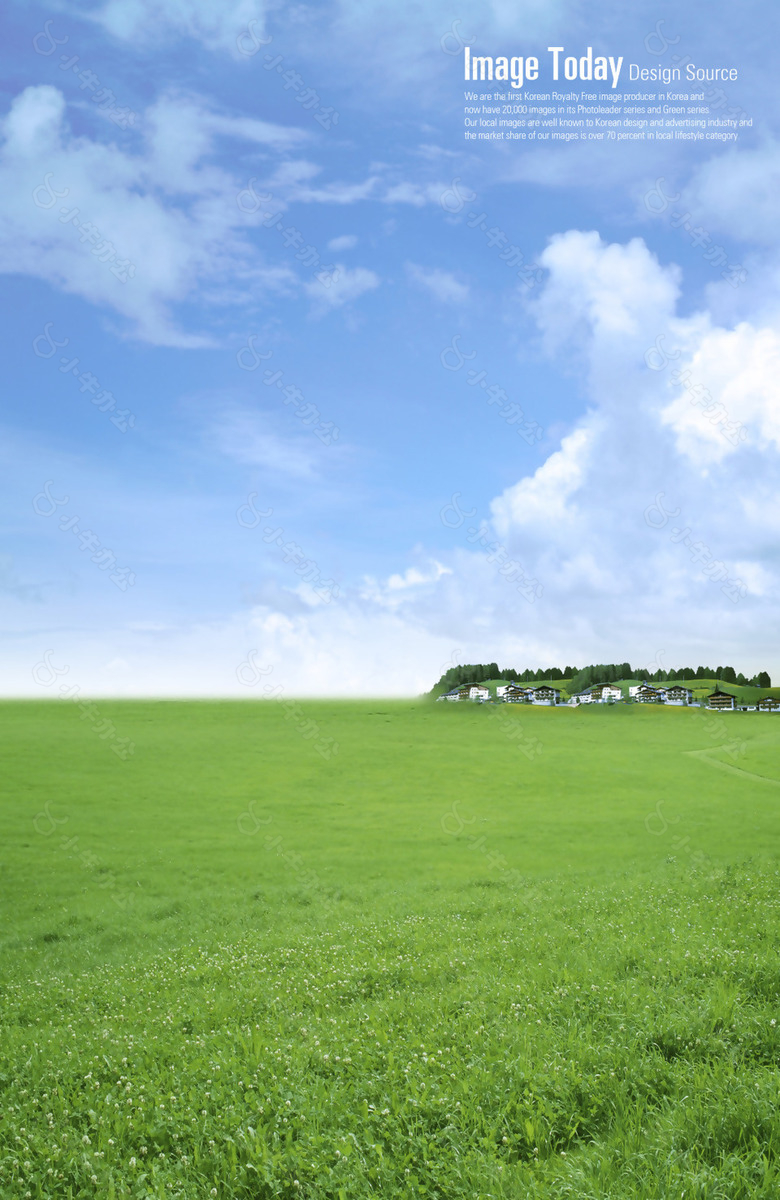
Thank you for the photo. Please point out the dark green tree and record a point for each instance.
(582, 680)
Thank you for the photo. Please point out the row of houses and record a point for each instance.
(510, 693)
(607, 693)
(677, 694)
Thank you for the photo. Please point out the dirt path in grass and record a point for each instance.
(704, 756)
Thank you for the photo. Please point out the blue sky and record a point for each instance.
(167, 133)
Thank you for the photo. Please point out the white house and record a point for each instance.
(544, 694)
(513, 693)
(467, 691)
(639, 687)
(677, 694)
(600, 693)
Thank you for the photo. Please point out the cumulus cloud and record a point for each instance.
(542, 500)
(618, 543)
(647, 516)
(601, 296)
(734, 373)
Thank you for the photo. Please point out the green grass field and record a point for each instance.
(479, 952)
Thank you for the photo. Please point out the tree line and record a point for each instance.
(476, 672)
(611, 672)
(584, 677)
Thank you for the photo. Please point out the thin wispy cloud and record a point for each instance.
(441, 284)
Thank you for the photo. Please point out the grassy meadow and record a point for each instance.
(477, 952)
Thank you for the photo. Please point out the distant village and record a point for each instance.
(606, 693)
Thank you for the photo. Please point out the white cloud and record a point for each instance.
(292, 179)
(345, 286)
(542, 500)
(215, 23)
(603, 295)
(189, 237)
(413, 577)
(347, 241)
(441, 284)
(398, 588)
(587, 523)
(739, 369)
(422, 43)
(736, 192)
(335, 193)
(248, 438)
(416, 194)
(337, 650)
